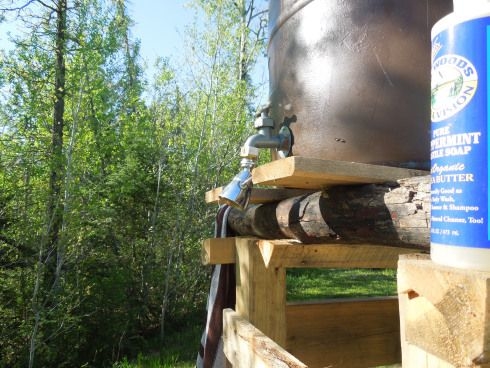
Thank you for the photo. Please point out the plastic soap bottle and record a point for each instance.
(460, 145)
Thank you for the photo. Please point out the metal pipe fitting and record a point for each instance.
(264, 138)
(237, 192)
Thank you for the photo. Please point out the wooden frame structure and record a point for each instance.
(442, 314)
(266, 331)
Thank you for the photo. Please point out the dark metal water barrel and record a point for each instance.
(351, 78)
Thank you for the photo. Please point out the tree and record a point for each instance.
(71, 68)
(50, 254)
(101, 200)
(208, 123)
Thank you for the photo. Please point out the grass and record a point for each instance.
(310, 284)
(180, 350)
(154, 362)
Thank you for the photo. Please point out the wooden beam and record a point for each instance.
(245, 346)
(260, 291)
(218, 251)
(259, 195)
(292, 254)
(444, 311)
(310, 173)
(345, 332)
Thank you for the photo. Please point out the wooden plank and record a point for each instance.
(218, 251)
(260, 291)
(245, 346)
(259, 195)
(345, 333)
(444, 312)
(309, 173)
(291, 254)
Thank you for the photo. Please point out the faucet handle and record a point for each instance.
(263, 121)
(264, 110)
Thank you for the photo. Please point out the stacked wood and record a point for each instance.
(395, 213)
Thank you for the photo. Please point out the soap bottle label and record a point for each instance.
(459, 140)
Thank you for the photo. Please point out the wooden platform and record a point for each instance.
(306, 174)
(310, 173)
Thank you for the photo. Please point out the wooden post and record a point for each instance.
(260, 291)
(444, 315)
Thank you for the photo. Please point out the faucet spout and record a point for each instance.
(237, 192)
(264, 138)
(261, 140)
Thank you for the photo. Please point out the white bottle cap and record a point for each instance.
(465, 6)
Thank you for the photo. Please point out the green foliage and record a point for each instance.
(123, 272)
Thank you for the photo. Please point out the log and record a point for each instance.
(396, 214)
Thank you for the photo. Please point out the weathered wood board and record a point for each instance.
(301, 173)
(310, 173)
(259, 195)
